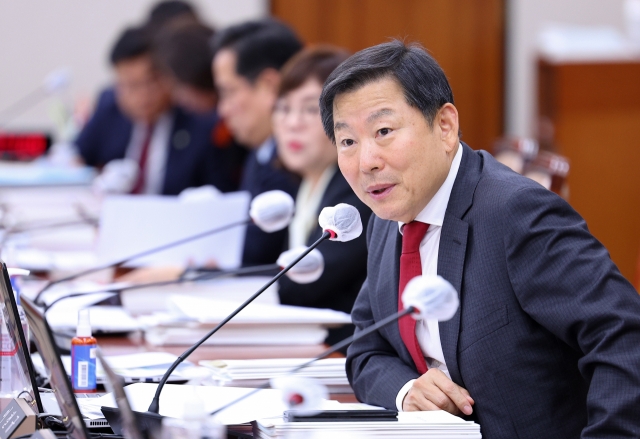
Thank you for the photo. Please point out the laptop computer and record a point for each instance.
(41, 402)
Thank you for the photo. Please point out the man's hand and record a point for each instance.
(434, 391)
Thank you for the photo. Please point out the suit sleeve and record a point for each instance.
(574, 290)
(89, 141)
(374, 369)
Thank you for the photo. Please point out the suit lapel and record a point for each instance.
(453, 249)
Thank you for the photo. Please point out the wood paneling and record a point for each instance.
(465, 36)
(595, 109)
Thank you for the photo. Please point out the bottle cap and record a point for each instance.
(84, 324)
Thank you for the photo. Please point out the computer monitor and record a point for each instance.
(19, 340)
(60, 383)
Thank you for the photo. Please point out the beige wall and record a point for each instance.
(38, 36)
(524, 19)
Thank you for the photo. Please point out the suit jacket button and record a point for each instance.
(181, 139)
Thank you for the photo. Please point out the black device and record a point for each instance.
(43, 338)
(341, 416)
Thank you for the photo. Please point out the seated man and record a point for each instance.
(137, 120)
(246, 64)
(545, 342)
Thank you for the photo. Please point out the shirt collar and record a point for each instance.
(265, 151)
(434, 211)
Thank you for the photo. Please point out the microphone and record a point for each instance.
(303, 394)
(268, 211)
(119, 176)
(54, 82)
(342, 221)
(304, 272)
(342, 229)
(424, 297)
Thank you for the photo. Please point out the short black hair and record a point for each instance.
(423, 81)
(183, 50)
(132, 43)
(165, 11)
(258, 45)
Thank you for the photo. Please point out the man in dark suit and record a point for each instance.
(137, 120)
(545, 342)
(246, 64)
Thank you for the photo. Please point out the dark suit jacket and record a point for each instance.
(345, 264)
(547, 337)
(193, 159)
(261, 247)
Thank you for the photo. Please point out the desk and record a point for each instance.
(135, 343)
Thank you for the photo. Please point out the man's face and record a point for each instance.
(143, 95)
(245, 106)
(394, 161)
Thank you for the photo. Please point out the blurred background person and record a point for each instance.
(246, 64)
(305, 149)
(137, 119)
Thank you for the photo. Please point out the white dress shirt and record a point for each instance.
(158, 151)
(427, 331)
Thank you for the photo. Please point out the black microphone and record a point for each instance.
(347, 227)
(424, 297)
(271, 211)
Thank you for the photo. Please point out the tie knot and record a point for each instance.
(412, 234)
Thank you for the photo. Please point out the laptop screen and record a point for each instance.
(16, 367)
(60, 383)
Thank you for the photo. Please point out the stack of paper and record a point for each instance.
(255, 373)
(418, 425)
(258, 324)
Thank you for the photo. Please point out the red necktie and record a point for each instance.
(139, 186)
(410, 267)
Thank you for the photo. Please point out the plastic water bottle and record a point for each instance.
(195, 423)
(83, 356)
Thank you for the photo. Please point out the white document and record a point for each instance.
(173, 400)
(131, 224)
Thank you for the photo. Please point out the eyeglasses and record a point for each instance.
(306, 113)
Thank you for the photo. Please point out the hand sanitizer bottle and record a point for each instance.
(83, 356)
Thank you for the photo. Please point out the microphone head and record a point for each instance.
(117, 177)
(57, 80)
(272, 210)
(342, 221)
(432, 296)
(305, 395)
(308, 270)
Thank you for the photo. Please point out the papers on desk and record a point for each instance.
(258, 324)
(418, 425)
(255, 373)
(266, 403)
(134, 224)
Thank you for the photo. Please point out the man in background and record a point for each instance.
(137, 120)
(246, 64)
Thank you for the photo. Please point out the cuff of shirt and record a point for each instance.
(402, 393)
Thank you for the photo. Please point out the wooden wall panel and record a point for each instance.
(595, 109)
(465, 36)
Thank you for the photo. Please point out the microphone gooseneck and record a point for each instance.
(155, 403)
(424, 297)
(335, 348)
(137, 256)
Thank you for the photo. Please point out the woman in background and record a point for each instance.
(305, 150)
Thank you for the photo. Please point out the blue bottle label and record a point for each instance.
(83, 371)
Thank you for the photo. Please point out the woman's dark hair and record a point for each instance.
(423, 81)
(258, 45)
(316, 62)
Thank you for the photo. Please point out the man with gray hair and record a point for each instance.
(545, 342)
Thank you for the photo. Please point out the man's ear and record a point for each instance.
(269, 80)
(447, 122)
